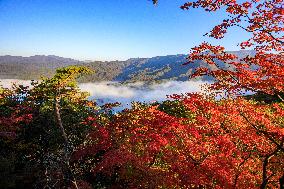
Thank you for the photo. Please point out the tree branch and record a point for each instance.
(280, 146)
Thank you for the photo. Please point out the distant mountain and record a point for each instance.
(166, 67)
(33, 67)
(134, 69)
(40, 59)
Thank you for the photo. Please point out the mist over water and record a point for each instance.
(108, 92)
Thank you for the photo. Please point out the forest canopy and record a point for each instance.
(53, 136)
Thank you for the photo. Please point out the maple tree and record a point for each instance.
(148, 147)
(262, 73)
(233, 142)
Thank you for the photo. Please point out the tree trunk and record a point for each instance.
(67, 149)
(59, 122)
(264, 173)
(281, 182)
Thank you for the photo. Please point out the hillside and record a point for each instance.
(166, 67)
(134, 69)
(33, 67)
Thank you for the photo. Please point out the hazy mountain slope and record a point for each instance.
(134, 69)
(18, 67)
(104, 71)
(166, 67)
(49, 61)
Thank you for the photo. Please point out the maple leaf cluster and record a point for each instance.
(222, 144)
(234, 142)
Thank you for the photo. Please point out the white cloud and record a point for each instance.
(115, 92)
(8, 83)
(107, 89)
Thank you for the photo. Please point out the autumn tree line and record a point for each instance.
(52, 136)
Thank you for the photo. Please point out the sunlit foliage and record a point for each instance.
(52, 136)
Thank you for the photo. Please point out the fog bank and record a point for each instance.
(126, 93)
(105, 92)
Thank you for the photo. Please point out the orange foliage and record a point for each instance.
(228, 143)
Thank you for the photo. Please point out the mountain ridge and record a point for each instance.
(167, 67)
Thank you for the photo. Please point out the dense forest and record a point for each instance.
(52, 136)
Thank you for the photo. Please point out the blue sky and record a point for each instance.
(105, 29)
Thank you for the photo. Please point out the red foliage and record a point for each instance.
(227, 143)
(222, 145)
(16, 116)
